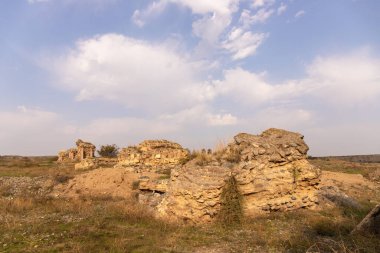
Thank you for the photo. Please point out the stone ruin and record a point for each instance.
(270, 170)
(152, 155)
(82, 151)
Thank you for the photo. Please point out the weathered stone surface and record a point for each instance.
(85, 149)
(87, 164)
(68, 155)
(270, 169)
(82, 151)
(152, 155)
(146, 184)
(193, 193)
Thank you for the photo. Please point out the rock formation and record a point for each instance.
(271, 172)
(82, 151)
(154, 155)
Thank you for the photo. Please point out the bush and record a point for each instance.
(108, 150)
(61, 179)
(231, 211)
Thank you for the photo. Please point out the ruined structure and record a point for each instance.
(68, 155)
(270, 170)
(85, 149)
(82, 151)
(154, 155)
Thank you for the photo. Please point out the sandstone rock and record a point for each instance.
(271, 172)
(155, 155)
(87, 164)
(193, 193)
(145, 184)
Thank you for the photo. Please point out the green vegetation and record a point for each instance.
(231, 212)
(109, 151)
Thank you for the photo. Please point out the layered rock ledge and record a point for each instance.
(271, 171)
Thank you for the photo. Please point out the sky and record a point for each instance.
(196, 72)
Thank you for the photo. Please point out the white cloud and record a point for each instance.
(175, 101)
(248, 88)
(155, 8)
(299, 14)
(243, 44)
(200, 115)
(215, 17)
(154, 79)
(347, 79)
(262, 3)
(222, 119)
(281, 9)
(261, 16)
(29, 131)
(134, 73)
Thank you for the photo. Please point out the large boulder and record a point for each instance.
(271, 172)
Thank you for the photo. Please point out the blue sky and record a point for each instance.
(195, 72)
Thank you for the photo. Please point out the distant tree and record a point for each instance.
(108, 150)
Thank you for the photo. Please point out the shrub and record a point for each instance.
(231, 211)
(108, 150)
(61, 179)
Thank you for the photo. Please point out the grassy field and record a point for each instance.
(18, 166)
(32, 223)
(365, 169)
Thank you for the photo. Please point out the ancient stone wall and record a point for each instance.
(152, 155)
(85, 149)
(82, 151)
(270, 169)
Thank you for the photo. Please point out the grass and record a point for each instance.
(364, 169)
(32, 223)
(16, 166)
(111, 225)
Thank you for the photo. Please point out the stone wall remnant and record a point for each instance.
(152, 155)
(82, 151)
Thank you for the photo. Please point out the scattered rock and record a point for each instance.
(87, 164)
(370, 224)
(331, 195)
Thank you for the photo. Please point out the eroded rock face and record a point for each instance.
(87, 164)
(270, 169)
(273, 173)
(154, 155)
(193, 193)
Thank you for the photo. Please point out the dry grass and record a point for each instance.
(365, 169)
(102, 224)
(112, 225)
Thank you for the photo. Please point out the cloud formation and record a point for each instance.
(131, 72)
(213, 26)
